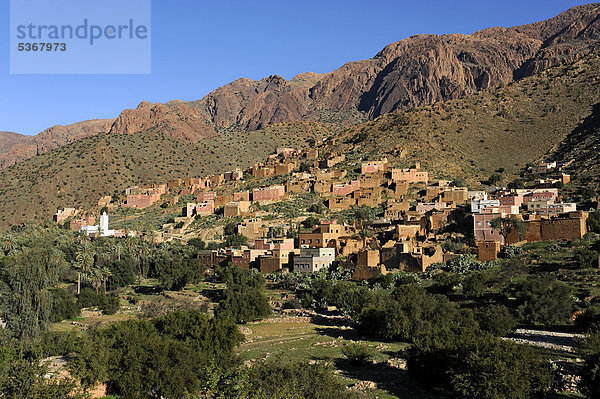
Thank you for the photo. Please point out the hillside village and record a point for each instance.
(303, 210)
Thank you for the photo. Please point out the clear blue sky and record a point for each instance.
(199, 45)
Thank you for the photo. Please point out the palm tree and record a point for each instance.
(8, 244)
(94, 275)
(105, 273)
(84, 261)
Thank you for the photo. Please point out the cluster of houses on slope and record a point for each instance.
(408, 237)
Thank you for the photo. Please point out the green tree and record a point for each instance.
(84, 262)
(586, 258)
(481, 366)
(26, 279)
(63, 305)
(495, 319)
(544, 300)
(593, 222)
(590, 379)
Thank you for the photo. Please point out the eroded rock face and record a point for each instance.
(419, 70)
(175, 118)
(51, 138)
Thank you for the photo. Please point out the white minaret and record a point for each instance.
(104, 223)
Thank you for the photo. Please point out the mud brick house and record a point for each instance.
(206, 196)
(488, 250)
(368, 197)
(343, 189)
(277, 260)
(323, 175)
(345, 246)
(63, 215)
(205, 208)
(332, 161)
(371, 180)
(413, 175)
(514, 198)
(213, 258)
(215, 180)
(261, 171)
(395, 210)
(141, 201)
(274, 243)
(235, 175)
(569, 226)
(77, 224)
(298, 186)
(432, 193)
(416, 261)
(221, 200)
(312, 260)
(268, 194)
(235, 209)
(455, 195)
(175, 183)
(407, 231)
(424, 207)
(284, 168)
(374, 166)
(401, 188)
(341, 203)
(241, 196)
(322, 235)
(368, 258)
(253, 229)
(323, 188)
(437, 220)
(549, 194)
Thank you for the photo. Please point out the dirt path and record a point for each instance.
(546, 339)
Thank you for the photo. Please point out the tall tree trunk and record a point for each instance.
(78, 283)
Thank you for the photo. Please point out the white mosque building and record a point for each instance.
(102, 230)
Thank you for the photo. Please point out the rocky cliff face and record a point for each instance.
(9, 139)
(51, 138)
(421, 69)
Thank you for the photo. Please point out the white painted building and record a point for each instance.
(313, 259)
(101, 229)
(478, 205)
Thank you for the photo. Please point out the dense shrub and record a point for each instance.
(165, 357)
(63, 306)
(357, 353)
(122, 273)
(589, 321)
(586, 258)
(544, 300)
(590, 380)
(495, 319)
(108, 304)
(294, 380)
(481, 366)
(593, 222)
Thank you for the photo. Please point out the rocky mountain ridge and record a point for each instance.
(416, 71)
